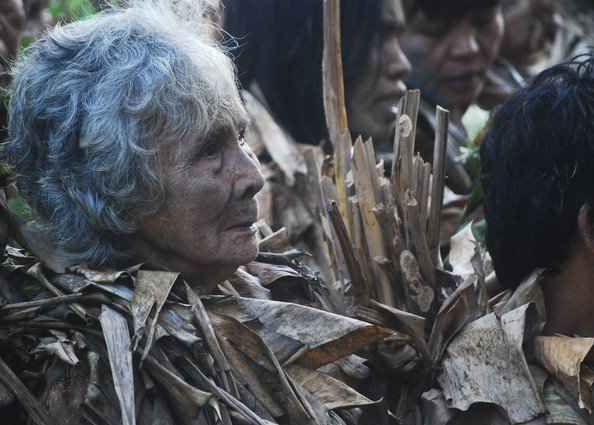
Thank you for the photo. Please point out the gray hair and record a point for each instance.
(90, 104)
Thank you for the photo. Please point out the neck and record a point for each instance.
(202, 278)
(569, 296)
(204, 281)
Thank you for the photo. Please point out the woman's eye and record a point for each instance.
(241, 141)
(210, 150)
(484, 22)
(485, 18)
(436, 32)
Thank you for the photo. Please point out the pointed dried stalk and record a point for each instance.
(203, 322)
(417, 243)
(365, 176)
(38, 274)
(50, 302)
(389, 228)
(438, 184)
(423, 172)
(359, 288)
(334, 104)
(404, 142)
(315, 186)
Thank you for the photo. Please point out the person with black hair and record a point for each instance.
(525, 355)
(537, 176)
(451, 46)
(279, 58)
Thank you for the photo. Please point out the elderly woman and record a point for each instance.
(126, 138)
(135, 152)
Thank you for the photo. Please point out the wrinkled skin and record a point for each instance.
(371, 96)
(205, 229)
(450, 57)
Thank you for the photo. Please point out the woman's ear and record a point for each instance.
(585, 224)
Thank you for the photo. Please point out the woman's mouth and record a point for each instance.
(463, 82)
(242, 230)
(388, 103)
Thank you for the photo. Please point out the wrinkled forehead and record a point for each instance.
(446, 9)
(228, 124)
(231, 119)
(230, 115)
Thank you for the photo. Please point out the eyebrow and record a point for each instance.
(215, 133)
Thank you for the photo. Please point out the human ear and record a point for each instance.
(585, 224)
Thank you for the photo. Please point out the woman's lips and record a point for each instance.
(463, 82)
(388, 103)
(242, 230)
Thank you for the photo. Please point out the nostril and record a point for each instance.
(251, 183)
(250, 193)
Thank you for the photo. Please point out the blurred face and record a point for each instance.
(371, 96)
(450, 57)
(526, 24)
(12, 23)
(205, 229)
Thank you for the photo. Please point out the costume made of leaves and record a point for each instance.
(148, 347)
(140, 346)
(492, 365)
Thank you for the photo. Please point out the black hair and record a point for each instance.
(448, 9)
(537, 161)
(280, 46)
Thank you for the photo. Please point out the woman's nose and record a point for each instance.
(250, 178)
(464, 41)
(397, 65)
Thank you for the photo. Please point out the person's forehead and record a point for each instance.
(232, 121)
(227, 123)
(448, 9)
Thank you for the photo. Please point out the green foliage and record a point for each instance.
(18, 205)
(469, 157)
(70, 10)
(26, 41)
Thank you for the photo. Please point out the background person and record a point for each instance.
(12, 19)
(451, 46)
(536, 176)
(279, 59)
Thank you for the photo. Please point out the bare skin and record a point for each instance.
(205, 230)
(569, 294)
(450, 57)
(371, 97)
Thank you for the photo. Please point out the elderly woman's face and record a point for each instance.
(205, 230)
